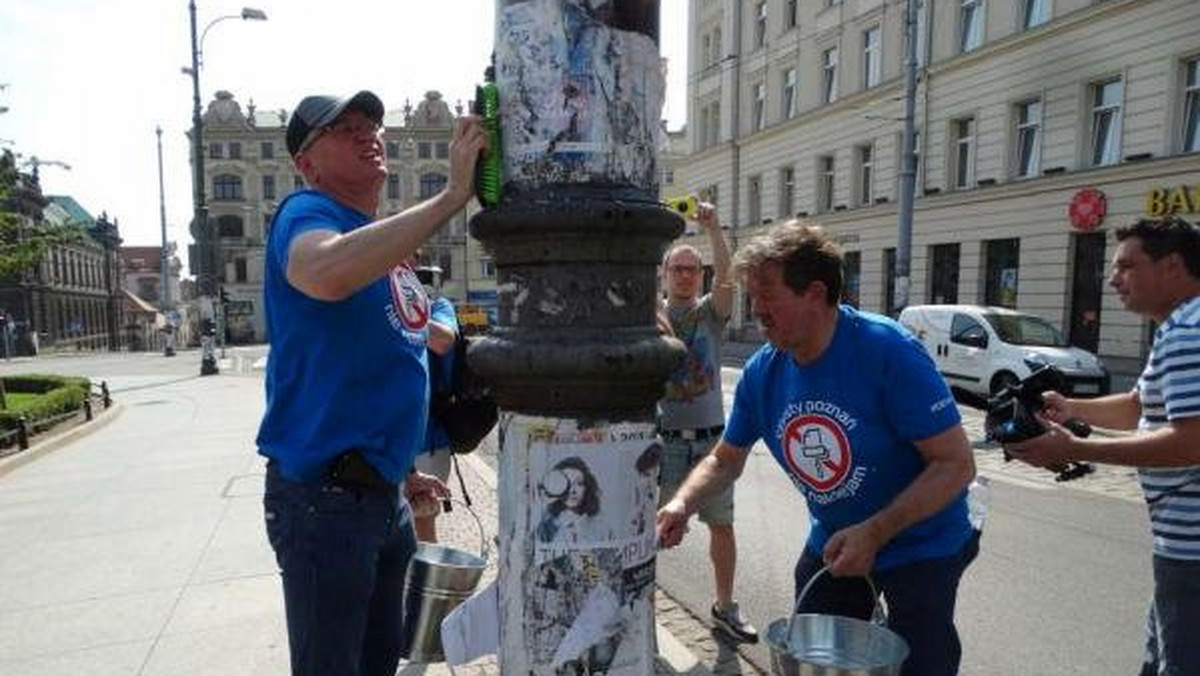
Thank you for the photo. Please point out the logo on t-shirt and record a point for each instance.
(409, 302)
(816, 450)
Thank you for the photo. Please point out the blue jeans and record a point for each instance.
(920, 602)
(344, 555)
(1172, 648)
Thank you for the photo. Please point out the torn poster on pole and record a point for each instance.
(589, 564)
(581, 87)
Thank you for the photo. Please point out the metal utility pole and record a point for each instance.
(576, 361)
(164, 256)
(908, 171)
(206, 263)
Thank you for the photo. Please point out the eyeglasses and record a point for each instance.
(344, 129)
(680, 269)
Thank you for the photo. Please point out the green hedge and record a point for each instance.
(57, 395)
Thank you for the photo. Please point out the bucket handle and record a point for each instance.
(878, 615)
(484, 550)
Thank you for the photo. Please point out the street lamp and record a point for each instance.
(208, 360)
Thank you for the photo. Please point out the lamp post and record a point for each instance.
(205, 268)
(165, 293)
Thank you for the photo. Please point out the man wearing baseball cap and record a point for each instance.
(347, 384)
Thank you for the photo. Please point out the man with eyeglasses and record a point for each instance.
(347, 385)
(692, 413)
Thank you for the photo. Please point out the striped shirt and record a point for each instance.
(1169, 389)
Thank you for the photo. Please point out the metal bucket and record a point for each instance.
(831, 645)
(439, 578)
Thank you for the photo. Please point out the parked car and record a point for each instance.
(983, 349)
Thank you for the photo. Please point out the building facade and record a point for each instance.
(1042, 125)
(249, 172)
(72, 298)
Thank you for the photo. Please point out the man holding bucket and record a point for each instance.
(347, 385)
(855, 413)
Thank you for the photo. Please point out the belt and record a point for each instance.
(699, 434)
(350, 470)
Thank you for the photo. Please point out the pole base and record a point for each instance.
(168, 352)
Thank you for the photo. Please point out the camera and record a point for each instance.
(1010, 417)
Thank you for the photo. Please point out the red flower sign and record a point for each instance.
(1087, 209)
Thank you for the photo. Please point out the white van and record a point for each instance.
(983, 349)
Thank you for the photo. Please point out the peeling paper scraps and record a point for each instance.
(580, 101)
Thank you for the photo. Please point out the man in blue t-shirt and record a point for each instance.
(853, 410)
(347, 385)
(1156, 272)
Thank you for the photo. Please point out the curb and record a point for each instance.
(671, 651)
(57, 441)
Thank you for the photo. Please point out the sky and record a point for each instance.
(86, 82)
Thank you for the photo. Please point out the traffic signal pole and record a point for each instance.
(576, 362)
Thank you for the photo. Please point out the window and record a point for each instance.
(964, 152)
(788, 97)
(268, 187)
(235, 150)
(970, 25)
(825, 178)
(1036, 13)
(889, 282)
(393, 186)
(230, 226)
(1106, 122)
(851, 277)
(922, 21)
(710, 125)
(1001, 260)
(216, 151)
(760, 23)
(791, 8)
(944, 273)
(431, 184)
(758, 121)
(787, 192)
(871, 58)
(708, 194)
(227, 187)
(297, 182)
(829, 59)
(266, 150)
(239, 270)
(1029, 138)
(487, 269)
(424, 150)
(1191, 106)
(393, 150)
(865, 182)
(754, 200)
(442, 149)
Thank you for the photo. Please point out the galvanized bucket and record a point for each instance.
(830, 645)
(439, 578)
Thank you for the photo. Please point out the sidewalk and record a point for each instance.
(139, 549)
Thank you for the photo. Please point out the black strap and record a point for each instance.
(461, 484)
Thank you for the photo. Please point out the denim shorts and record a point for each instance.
(343, 555)
(678, 458)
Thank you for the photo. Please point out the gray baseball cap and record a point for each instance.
(317, 112)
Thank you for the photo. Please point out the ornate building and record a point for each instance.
(1030, 116)
(72, 299)
(249, 173)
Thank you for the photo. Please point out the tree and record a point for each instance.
(25, 236)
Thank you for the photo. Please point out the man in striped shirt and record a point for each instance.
(1156, 273)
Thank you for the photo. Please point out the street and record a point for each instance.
(1060, 586)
